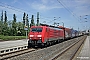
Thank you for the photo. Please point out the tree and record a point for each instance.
(37, 19)
(14, 26)
(2, 16)
(5, 25)
(32, 21)
(1, 27)
(27, 21)
(20, 31)
(14, 17)
(24, 19)
(1, 23)
(5, 19)
(10, 28)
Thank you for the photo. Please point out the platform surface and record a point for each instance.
(85, 52)
(10, 44)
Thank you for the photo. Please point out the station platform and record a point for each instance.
(85, 51)
(11, 44)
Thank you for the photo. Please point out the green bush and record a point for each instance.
(11, 37)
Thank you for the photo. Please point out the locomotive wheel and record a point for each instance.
(50, 43)
(41, 45)
(47, 44)
(29, 45)
(53, 43)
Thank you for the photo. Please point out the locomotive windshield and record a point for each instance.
(36, 29)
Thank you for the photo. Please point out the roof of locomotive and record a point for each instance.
(51, 27)
(37, 26)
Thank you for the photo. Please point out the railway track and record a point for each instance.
(15, 53)
(69, 52)
(48, 53)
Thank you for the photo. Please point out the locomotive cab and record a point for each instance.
(35, 36)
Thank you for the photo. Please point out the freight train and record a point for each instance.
(45, 35)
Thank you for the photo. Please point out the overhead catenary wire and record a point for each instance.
(10, 8)
(73, 14)
(14, 8)
(20, 10)
(17, 9)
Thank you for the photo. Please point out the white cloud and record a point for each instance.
(78, 7)
(42, 7)
(14, 1)
(10, 11)
(44, 1)
(45, 5)
(82, 1)
(82, 10)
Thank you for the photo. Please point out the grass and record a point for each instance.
(11, 37)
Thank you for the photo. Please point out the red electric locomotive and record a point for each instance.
(44, 35)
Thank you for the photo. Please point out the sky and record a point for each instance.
(72, 13)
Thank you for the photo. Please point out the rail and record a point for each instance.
(6, 54)
(79, 43)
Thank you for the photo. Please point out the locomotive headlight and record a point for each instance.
(39, 35)
(30, 38)
(31, 35)
(39, 38)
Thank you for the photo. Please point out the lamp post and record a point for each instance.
(26, 28)
(86, 21)
(63, 30)
(83, 20)
(55, 22)
(63, 24)
(52, 20)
